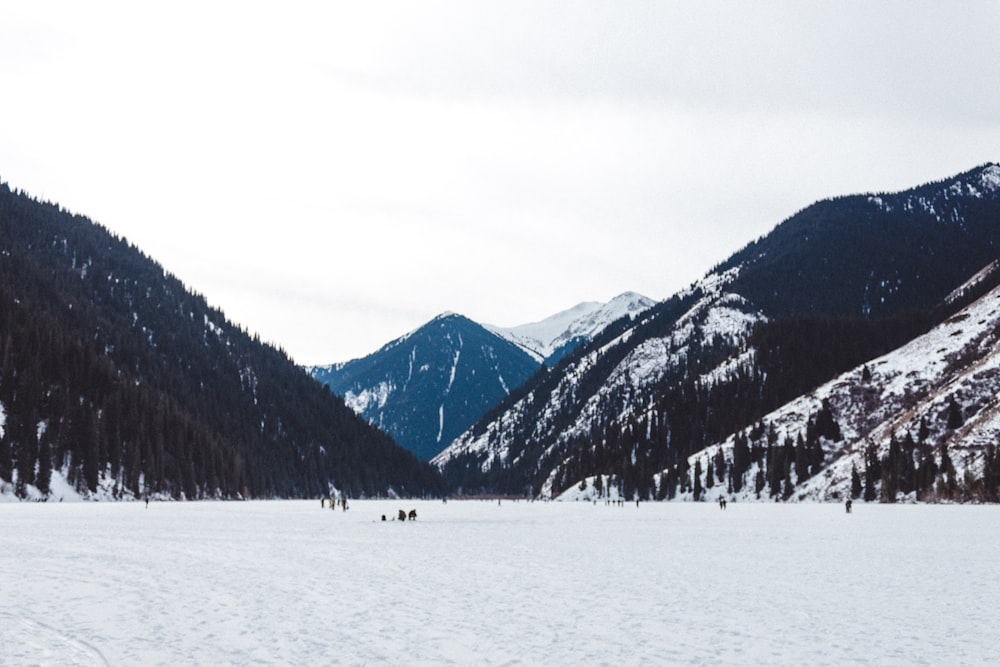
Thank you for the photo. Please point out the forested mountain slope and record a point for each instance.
(837, 284)
(116, 378)
(919, 423)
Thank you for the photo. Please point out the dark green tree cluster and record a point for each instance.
(922, 465)
(780, 465)
(113, 372)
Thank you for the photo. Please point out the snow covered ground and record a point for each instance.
(477, 583)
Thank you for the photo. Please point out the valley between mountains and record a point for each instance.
(849, 353)
(823, 361)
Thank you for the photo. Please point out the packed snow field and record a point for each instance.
(482, 583)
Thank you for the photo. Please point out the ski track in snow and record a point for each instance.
(288, 583)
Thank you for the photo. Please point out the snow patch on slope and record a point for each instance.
(440, 422)
(989, 178)
(372, 396)
(454, 368)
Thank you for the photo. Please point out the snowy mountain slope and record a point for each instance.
(554, 337)
(629, 364)
(426, 413)
(428, 386)
(687, 372)
(935, 398)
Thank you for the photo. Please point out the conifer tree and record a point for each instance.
(742, 458)
(947, 483)
(720, 465)
(802, 458)
(6, 457)
(872, 472)
(44, 477)
(855, 482)
(789, 487)
(955, 419)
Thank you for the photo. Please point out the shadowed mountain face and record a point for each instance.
(118, 381)
(430, 385)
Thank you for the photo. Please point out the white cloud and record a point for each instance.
(333, 174)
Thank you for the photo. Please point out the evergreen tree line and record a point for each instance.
(112, 370)
(918, 466)
(922, 465)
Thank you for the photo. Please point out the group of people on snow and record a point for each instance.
(334, 503)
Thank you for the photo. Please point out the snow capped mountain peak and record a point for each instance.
(550, 328)
(627, 303)
(547, 338)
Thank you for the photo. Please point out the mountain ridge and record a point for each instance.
(549, 339)
(428, 385)
(425, 417)
(865, 269)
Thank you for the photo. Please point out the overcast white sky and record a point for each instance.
(335, 174)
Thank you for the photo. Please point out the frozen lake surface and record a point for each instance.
(474, 583)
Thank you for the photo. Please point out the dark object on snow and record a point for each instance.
(383, 517)
(402, 515)
(847, 505)
(413, 515)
